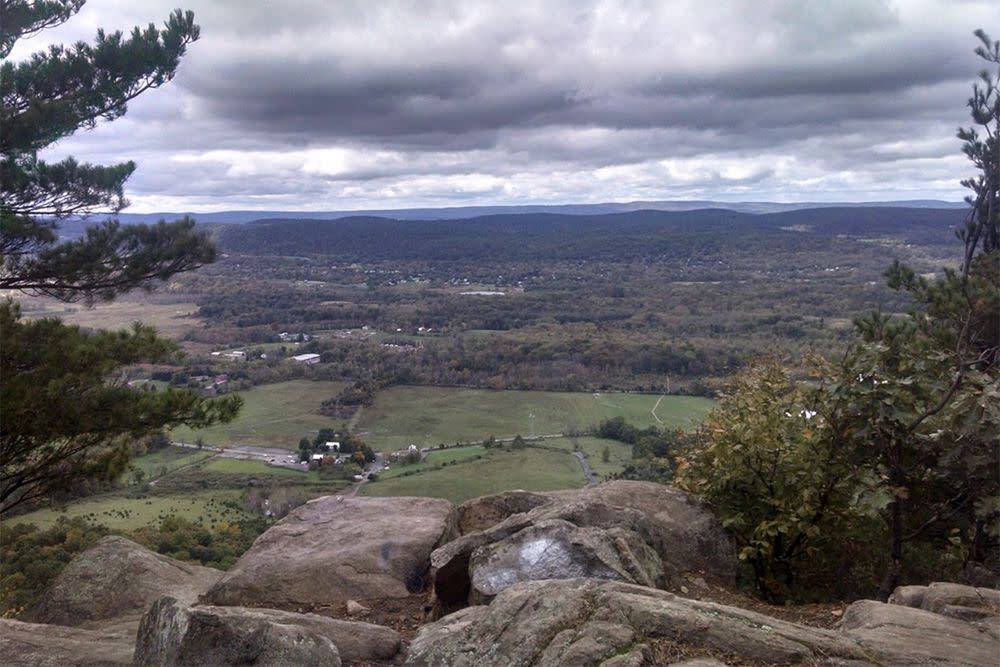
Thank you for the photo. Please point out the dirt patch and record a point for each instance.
(404, 615)
(817, 615)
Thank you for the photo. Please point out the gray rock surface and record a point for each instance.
(908, 596)
(940, 595)
(633, 531)
(171, 634)
(487, 511)
(589, 622)
(683, 527)
(336, 548)
(906, 636)
(115, 578)
(38, 645)
(556, 549)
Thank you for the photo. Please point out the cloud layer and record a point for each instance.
(316, 105)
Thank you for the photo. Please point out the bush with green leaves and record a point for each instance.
(778, 483)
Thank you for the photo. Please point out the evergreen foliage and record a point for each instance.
(67, 415)
(50, 96)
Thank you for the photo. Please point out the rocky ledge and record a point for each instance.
(565, 578)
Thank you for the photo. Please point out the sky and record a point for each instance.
(343, 104)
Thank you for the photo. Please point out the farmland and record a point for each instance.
(274, 415)
(499, 470)
(428, 416)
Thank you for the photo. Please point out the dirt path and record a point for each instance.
(653, 411)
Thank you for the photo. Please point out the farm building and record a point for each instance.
(306, 358)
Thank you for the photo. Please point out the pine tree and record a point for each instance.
(66, 421)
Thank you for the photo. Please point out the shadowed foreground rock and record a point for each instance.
(636, 532)
(115, 578)
(335, 549)
(172, 635)
(38, 645)
(587, 622)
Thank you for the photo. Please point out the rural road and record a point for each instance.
(274, 456)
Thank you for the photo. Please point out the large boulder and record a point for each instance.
(590, 622)
(943, 597)
(171, 634)
(684, 530)
(115, 578)
(637, 532)
(337, 548)
(966, 603)
(557, 549)
(38, 645)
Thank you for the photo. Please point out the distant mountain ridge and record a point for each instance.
(464, 212)
(532, 236)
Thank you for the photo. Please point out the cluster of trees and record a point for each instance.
(894, 448)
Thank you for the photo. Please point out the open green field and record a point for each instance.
(164, 461)
(619, 454)
(171, 319)
(428, 416)
(273, 415)
(249, 467)
(119, 512)
(433, 460)
(529, 469)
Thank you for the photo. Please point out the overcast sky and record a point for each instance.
(319, 105)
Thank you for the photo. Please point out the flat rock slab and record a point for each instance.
(588, 622)
(174, 636)
(334, 549)
(117, 577)
(38, 645)
(907, 636)
(171, 634)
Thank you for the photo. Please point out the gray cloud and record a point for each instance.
(313, 105)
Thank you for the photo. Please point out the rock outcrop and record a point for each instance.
(115, 578)
(173, 635)
(588, 622)
(40, 645)
(487, 511)
(334, 549)
(635, 532)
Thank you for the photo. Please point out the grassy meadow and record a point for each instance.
(120, 512)
(429, 416)
(273, 415)
(619, 454)
(499, 470)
